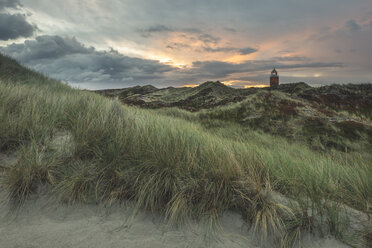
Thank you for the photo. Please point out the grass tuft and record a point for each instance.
(34, 167)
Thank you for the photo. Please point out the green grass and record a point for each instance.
(167, 162)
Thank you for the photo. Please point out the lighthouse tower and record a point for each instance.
(274, 78)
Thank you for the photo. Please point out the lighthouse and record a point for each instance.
(274, 78)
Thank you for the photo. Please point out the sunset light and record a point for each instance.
(256, 86)
(190, 85)
(119, 43)
(244, 84)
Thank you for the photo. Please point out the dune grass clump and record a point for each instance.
(33, 168)
(76, 184)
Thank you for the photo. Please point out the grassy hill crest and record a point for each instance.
(334, 116)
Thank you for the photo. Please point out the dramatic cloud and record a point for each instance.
(69, 60)
(13, 26)
(46, 47)
(188, 42)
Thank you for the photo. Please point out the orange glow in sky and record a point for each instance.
(244, 84)
(256, 86)
(190, 85)
(227, 83)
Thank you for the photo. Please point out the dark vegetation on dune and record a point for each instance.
(334, 116)
(81, 147)
(355, 98)
(208, 95)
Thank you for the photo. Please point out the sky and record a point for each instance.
(99, 44)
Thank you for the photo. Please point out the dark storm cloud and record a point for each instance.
(9, 4)
(14, 26)
(69, 60)
(46, 47)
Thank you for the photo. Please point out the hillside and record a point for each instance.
(351, 97)
(336, 116)
(71, 147)
(207, 95)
